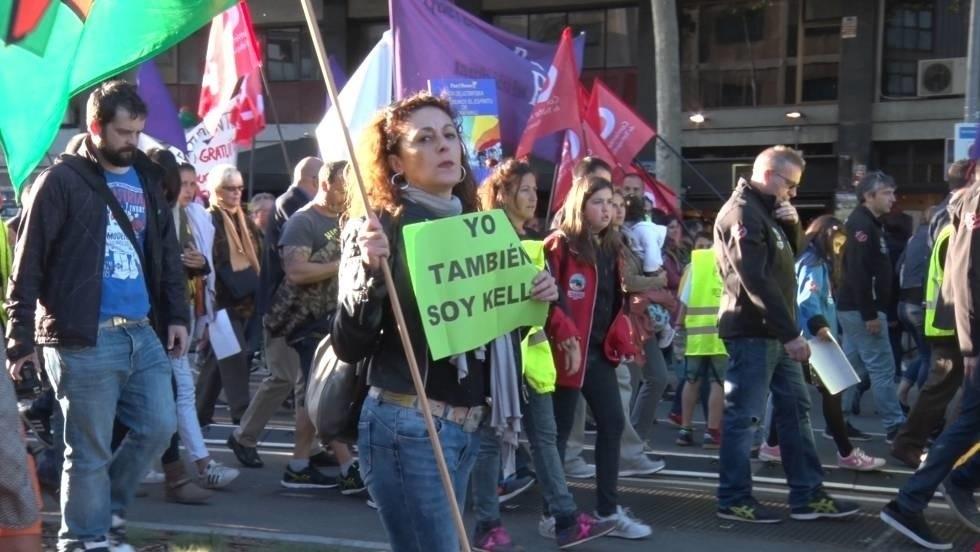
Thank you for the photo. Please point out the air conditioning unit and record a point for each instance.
(941, 77)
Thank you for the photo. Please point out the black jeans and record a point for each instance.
(945, 378)
(601, 392)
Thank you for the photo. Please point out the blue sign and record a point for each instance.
(475, 101)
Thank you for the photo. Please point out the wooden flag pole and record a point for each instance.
(396, 307)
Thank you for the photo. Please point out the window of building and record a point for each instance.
(289, 55)
(909, 27)
(610, 34)
(747, 53)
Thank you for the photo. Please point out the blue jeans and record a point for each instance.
(872, 354)
(911, 317)
(756, 367)
(125, 376)
(399, 469)
(542, 434)
(954, 441)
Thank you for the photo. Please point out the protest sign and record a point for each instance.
(475, 101)
(472, 280)
(205, 149)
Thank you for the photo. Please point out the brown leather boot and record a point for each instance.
(182, 489)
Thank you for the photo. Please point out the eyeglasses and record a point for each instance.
(790, 183)
(230, 189)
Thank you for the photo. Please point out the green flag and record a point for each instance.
(51, 50)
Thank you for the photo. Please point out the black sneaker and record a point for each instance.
(308, 478)
(823, 506)
(890, 436)
(101, 546)
(351, 483)
(685, 437)
(963, 504)
(749, 512)
(247, 456)
(512, 487)
(913, 526)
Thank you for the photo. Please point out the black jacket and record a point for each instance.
(962, 260)
(60, 256)
(756, 256)
(365, 329)
(867, 283)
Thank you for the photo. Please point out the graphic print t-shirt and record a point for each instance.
(123, 287)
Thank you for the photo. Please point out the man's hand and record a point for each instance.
(177, 341)
(14, 367)
(573, 355)
(873, 326)
(191, 258)
(544, 288)
(825, 335)
(798, 349)
(786, 213)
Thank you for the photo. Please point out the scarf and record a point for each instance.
(505, 414)
(438, 206)
(241, 251)
(202, 229)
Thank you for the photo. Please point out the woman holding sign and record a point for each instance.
(414, 169)
(818, 273)
(591, 335)
(513, 188)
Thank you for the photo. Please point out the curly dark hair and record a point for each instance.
(381, 138)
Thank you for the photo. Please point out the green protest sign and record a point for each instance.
(472, 280)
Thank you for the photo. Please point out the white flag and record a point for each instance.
(367, 91)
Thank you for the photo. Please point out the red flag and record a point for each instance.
(662, 195)
(556, 107)
(571, 154)
(248, 109)
(624, 132)
(233, 53)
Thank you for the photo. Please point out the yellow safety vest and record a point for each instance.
(934, 281)
(538, 363)
(701, 318)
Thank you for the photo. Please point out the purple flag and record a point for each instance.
(436, 40)
(163, 121)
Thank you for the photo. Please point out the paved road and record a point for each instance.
(678, 503)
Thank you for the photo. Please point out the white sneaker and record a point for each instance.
(371, 504)
(627, 526)
(217, 476)
(579, 469)
(153, 477)
(546, 527)
(117, 535)
(642, 466)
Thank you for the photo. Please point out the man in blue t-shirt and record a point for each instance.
(109, 308)
(123, 287)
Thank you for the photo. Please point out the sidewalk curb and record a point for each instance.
(254, 534)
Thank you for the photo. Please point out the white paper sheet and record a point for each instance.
(222, 336)
(830, 363)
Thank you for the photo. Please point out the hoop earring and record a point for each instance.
(395, 184)
(462, 168)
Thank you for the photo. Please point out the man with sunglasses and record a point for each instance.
(757, 234)
(864, 295)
